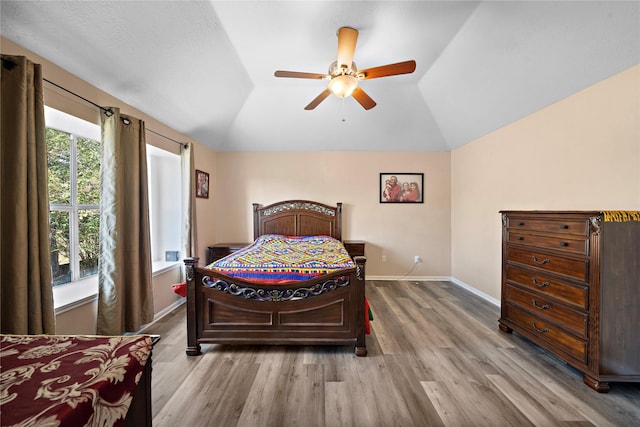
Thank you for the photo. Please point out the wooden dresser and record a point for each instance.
(571, 284)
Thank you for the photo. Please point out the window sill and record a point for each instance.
(71, 295)
(161, 267)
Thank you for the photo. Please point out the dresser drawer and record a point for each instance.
(221, 250)
(354, 247)
(546, 331)
(576, 268)
(572, 226)
(566, 243)
(549, 309)
(568, 293)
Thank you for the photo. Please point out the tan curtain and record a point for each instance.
(25, 257)
(125, 296)
(189, 240)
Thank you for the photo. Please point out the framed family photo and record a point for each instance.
(401, 187)
(202, 184)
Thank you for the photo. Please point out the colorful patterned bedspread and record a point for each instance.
(55, 380)
(274, 258)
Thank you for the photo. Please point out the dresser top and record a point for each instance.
(608, 216)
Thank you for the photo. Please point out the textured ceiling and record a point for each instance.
(205, 68)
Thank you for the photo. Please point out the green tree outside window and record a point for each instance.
(74, 197)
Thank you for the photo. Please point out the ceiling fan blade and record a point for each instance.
(318, 99)
(300, 75)
(363, 99)
(406, 67)
(347, 38)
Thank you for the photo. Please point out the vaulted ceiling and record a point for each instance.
(205, 68)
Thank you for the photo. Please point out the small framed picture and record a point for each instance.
(202, 184)
(401, 187)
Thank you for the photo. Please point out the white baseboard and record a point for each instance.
(411, 278)
(473, 290)
(159, 315)
(453, 280)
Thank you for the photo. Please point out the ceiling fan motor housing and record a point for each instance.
(337, 70)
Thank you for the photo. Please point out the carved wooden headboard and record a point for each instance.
(298, 218)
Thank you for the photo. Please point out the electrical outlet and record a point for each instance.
(384, 258)
(416, 259)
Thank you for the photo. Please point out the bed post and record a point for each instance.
(193, 347)
(338, 232)
(256, 221)
(361, 337)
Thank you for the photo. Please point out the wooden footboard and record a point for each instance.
(327, 310)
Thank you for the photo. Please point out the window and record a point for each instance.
(73, 147)
(165, 198)
(74, 152)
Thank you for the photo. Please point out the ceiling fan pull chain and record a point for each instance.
(343, 119)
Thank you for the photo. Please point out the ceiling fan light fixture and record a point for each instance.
(343, 86)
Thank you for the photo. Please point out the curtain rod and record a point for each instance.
(109, 113)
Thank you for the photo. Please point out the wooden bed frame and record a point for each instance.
(140, 414)
(327, 310)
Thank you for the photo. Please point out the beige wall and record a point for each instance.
(205, 160)
(577, 154)
(80, 320)
(398, 231)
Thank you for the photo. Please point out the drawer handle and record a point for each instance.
(564, 244)
(542, 331)
(519, 238)
(521, 224)
(544, 261)
(564, 227)
(540, 307)
(540, 285)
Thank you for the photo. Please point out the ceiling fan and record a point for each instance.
(343, 74)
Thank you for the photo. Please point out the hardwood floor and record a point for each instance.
(436, 358)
